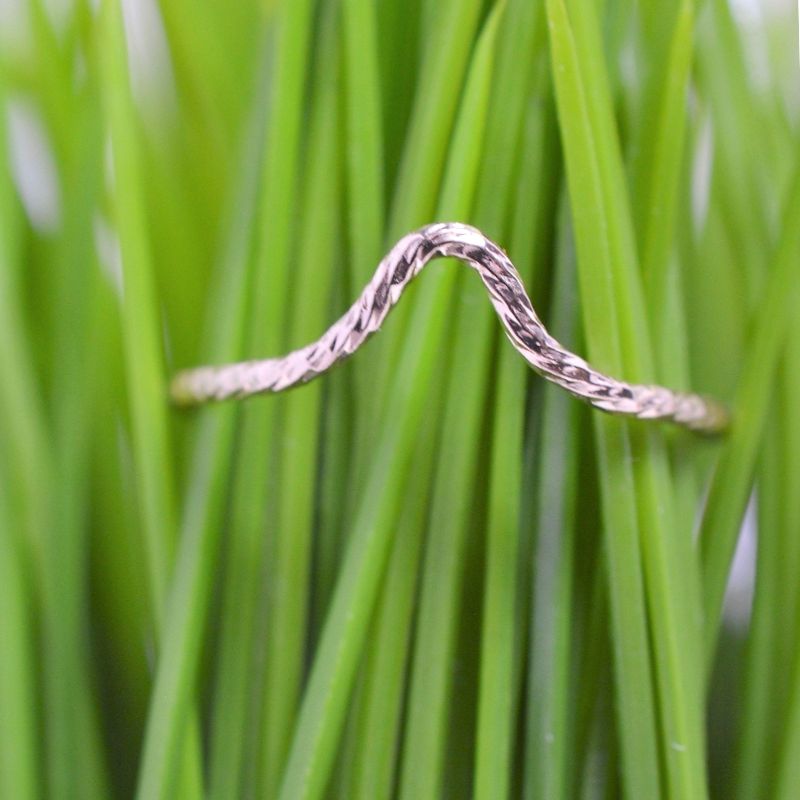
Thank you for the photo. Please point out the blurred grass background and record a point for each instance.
(427, 574)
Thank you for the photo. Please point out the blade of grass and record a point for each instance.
(732, 480)
(267, 332)
(547, 733)
(456, 199)
(266, 326)
(71, 681)
(200, 68)
(432, 117)
(431, 685)
(504, 614)
(22, 415)
(265, 335)
(763, 718)
(374, 756)
(140, 317)
(634, 695)
(201, 525)
(660, 155)
(657, 181)
(592, 710)
(789, 519)
(337, 437)
(669, 581)
(332, 674)
(723, 74)
(74, 762)
(20, 765)
(788, 394)
(364, 138)
(419, 177)
(376, 731)
(366, 190)
(231, 713)
(141, 338)
(75, 351)
(401, 41)
(290, 558)
(435, 105)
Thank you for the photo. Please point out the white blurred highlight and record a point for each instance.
(33, 166)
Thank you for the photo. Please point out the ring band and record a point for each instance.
(513, 306)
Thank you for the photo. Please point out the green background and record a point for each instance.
(428, 574)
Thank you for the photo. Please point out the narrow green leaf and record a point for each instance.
(503, 618)
(372, 772)
(433, 116)
(20, 766)
(550, 648)
(763, 708)
(290, 553)
(732, 481)
(419, 175)
(660, 160)
(788, 518)
(201, 524)
(635, 695)
(673, 608)
(364, 138)
(140, 316)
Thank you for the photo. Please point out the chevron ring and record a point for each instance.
(513, 306)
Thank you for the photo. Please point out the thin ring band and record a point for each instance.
(513, 306)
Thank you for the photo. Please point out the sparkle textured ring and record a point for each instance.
(513, 306)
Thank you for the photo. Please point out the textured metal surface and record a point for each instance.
(507, 294)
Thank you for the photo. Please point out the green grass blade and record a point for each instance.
(377, 724)
(433, 116)
(268, 318)
(550, 646)
(461, 174)
(364, 138)
(418, 182)
(22, 415)
(785, 646)
(290, 555)
(431, 683)
(548, 721)
(732, 481)
(660, 159)
(201, 525)
(20, 765)
(141, 338)
(202, 518)
(366, 196)
(460, 180)
(763, 710)
(140, 317)
(230, 711)
(723, 74)
(332, 675)
(635, 695)
(503, 617)
(429, 699)
(337, 436)
(669, 579)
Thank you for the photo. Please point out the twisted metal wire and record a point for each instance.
(513, 306)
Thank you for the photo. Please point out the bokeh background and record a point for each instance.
(425, 575)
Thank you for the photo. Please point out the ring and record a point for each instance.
(513, 306)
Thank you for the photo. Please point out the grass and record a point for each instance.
(427, 574)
